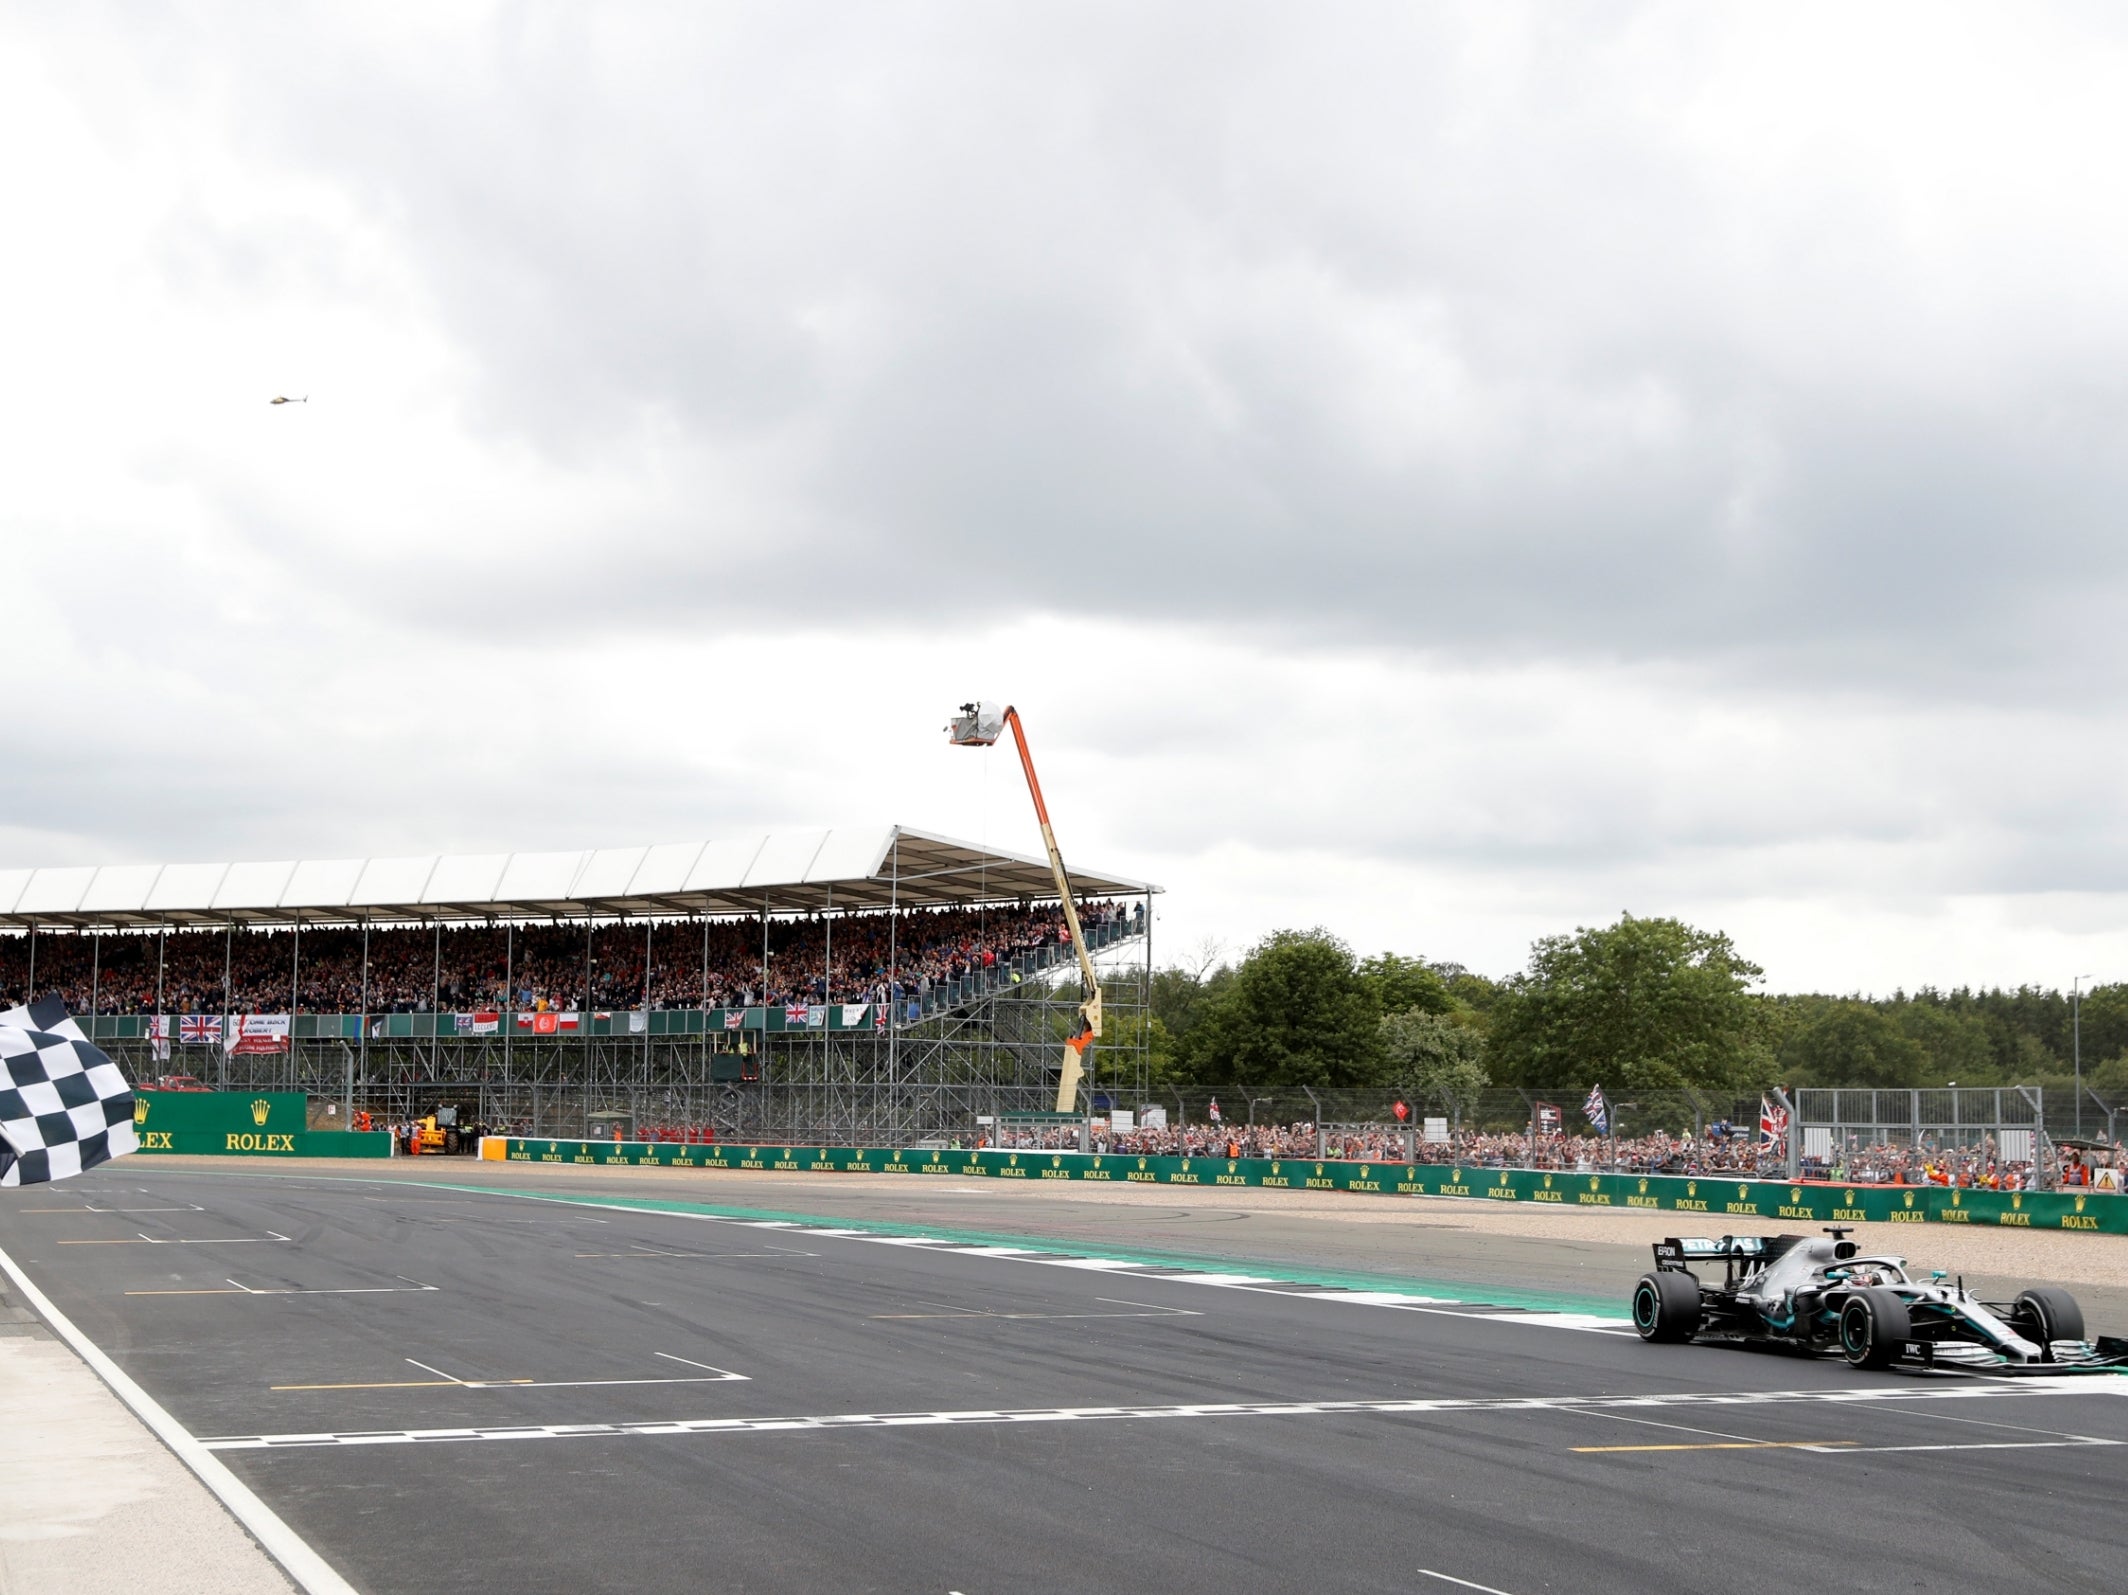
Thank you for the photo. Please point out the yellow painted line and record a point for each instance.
(217, 1291)
(1723, 1445)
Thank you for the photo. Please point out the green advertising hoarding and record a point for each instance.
(1704, 1202)
(243, 1124)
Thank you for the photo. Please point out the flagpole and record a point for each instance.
(509, 1012)
(228, 998)
(295, 1005)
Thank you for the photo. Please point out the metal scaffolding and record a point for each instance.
(978, 1048)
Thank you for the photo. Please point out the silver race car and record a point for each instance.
(1817, 1294)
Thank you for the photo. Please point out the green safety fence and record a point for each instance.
(1709, 1198)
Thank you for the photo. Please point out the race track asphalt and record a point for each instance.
(491, 1378)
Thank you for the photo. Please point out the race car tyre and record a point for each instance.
(1873, 1329)
(1666, 1306)
(2045, 1314)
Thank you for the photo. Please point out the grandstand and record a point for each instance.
(873, 985)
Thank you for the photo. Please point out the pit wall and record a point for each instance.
(1708, 1201)
(243, 1124)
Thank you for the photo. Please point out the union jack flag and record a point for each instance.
(200, 1030)
(1597, 1111)
(1773, 1123)
(734, 1018)
(794, 1013)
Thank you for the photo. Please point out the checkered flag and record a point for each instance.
(64, 1105)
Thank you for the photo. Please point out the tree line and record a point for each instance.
(1639, 1005)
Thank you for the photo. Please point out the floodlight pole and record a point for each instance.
(973, 730)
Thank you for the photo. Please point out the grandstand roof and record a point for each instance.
(782, 872)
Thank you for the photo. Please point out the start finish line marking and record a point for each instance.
(827, 1422)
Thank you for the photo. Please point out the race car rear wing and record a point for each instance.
(1741, 1256)
(1694, 1250)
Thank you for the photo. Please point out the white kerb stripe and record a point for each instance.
(310, 1571)
(837, 1421)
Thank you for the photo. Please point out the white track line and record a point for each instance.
(1462, 1583)
(311, 1572)
(820, 1423)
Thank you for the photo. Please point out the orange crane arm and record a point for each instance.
(972, 730)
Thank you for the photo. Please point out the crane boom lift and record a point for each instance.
(979, 725)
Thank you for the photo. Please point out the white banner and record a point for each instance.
(256, 1032)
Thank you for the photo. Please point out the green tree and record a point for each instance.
(1956, 1046)
(1645, 1004)
(1293, 1013)
(1435, 1059)
(1405, 985)
(1854, 1044)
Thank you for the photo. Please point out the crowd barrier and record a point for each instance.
(243, 1124)
(1708, 1200)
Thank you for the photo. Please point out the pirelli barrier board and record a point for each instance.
(243, 1124)
(1708, 1199)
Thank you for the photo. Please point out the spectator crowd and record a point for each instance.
(1976, 1166)
(679, 963)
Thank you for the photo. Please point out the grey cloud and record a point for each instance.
(1370, 322)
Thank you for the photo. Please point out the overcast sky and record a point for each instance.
(1446, 473)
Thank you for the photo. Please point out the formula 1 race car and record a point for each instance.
(1819, 1296)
